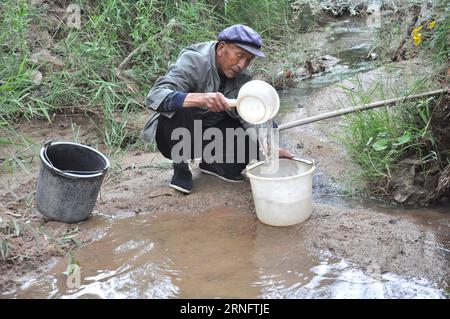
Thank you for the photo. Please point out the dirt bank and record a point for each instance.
(367, 237)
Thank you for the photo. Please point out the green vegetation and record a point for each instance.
(106, 67)
(378, 139)
(407, 34)
(273, 17)
(16, 234)
(80, 70)
(437, 43)
(382, 141)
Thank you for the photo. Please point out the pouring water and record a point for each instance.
(268, 138)
(257, 103)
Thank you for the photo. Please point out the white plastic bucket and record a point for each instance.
(283, 198)
(257, 102)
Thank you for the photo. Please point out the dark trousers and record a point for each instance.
(231, 160)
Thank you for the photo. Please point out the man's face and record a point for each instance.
(231, 59)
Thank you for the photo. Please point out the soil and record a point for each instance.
(426, 182)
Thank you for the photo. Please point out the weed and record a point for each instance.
(96, 72)
(16, 229)
(378, 139)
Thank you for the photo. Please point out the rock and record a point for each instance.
(36, 3)
(162, 192)
(328, 61)
(394, 220)
(73, 16)
(320, 65)
(45, 57)
(36, 77)
(402, 195)
(374, 271)
(314, 67)
(301, 73)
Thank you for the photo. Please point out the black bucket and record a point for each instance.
(69, 181)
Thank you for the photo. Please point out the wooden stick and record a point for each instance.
(14, 215)
(373, 105)
(123, 64)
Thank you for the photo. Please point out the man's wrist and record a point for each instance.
(178, 99)
(194, 100)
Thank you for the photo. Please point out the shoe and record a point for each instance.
(218, 171)
(182, 178)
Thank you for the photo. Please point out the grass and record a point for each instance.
(106, 67)
(15, 230)
(433, 32)
(273, 17)
(379, 139)
(88, 79)
(15, 148)
(437, 41)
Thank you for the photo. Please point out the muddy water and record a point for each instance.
(223, 253)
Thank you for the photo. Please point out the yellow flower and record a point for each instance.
(417, 30)
(417, 37)
(432, 24)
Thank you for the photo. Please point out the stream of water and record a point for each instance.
(268, 138)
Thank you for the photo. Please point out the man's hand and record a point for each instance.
(214, 101)
(285, 153)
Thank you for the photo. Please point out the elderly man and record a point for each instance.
(195, 89)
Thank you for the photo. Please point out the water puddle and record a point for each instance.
(339, 280)
(224, 253)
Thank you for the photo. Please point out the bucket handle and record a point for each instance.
(254, 165)
(309, 162)
(47, 144)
